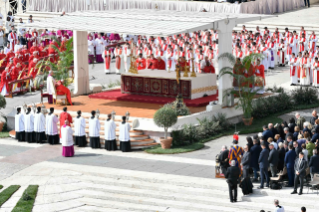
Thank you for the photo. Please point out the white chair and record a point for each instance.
(314, 183)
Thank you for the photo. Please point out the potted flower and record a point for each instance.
(243, 81)
(165, 117)
(3, 104)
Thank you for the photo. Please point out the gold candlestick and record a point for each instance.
(193, 70)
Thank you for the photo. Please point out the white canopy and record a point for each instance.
(142, 22)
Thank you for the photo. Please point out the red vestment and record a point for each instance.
(26, 55)
(65, 116)
(34, 49)
(140, 63)
(43, 52)
(161, 65)
(10, 55)
(33, 71)
(3, 57)
(62, 90)
(16, 61)
(151, 63)
(4, 81)
(260, 73)
(209, 69)
(32, 57)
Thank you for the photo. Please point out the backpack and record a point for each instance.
(275, 186)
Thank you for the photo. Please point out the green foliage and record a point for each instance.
(304, 95)
(4, 134)
(39, 80)
(1, 186)
(3, 102)
(180, 111)
(165, 117)
(7, 193)
(245, 94)
(25, 204)
(62, 66)
(175, 150)
(190, 134)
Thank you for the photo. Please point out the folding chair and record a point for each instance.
(314, 183)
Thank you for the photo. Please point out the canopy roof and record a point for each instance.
(141, 22)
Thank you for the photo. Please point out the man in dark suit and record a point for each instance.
(314, 163)
(263, 166)
(245, 162)
(297, 148)
(281, 157)
(286, 131)
(290, 163)
(232, 175)
(313, 118)
(273, 130)
(254, 156)
(300, 172)
(273, 160)
(223, 159)
(267, 133)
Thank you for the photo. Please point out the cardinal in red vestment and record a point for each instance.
(151, 62)
(35, 49)
(10, 54)
(161, 64)
(26, 54)
(33, 71)
(62, 90)
(140, 62)
(65, 116)
(3, 58)
(260, 75)
(5, 78)
(206, 66)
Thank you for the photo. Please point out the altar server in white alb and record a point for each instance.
(126, 56)
(109, 132)
(91, 45)
(19, 125)
(50, 87)
(125, 144)
(39, 126)
(52, 128)
(94, 131)
(99, 45)
(119, 67)
(281, 53)
(67, 140)
(79, 130)
(315, 68)
(12, 38)
(305, 70)
(29, 126)
(293, 69)
(107, 55)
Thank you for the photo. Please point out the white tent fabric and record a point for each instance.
(252, 7)
(140, 22)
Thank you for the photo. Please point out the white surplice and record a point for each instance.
(306, 68)
(29, 122)
(52, 125)
(109, 130)
(50, 85)
(79, 126)
(19, 122)
(315, 69)
(94, 127)
(99, 44)
(126, 58)
(293, 70)
(124, 132)
(66, 136)
(91, 45)
(39, 122)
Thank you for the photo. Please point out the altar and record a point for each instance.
(163, 84)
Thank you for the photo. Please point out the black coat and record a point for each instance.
(298, 150)
(232, 174)
(295, 136)
(281, 156)
(254, 155)
(222, 156)
(291, 127)
(263, 159)
(274, 132)
(312, 120)
(289, 133)
(314, 164)
(273, 157)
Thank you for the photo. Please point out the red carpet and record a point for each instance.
(117, 95)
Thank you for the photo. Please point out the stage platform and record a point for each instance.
(160, 83)
(106, 106)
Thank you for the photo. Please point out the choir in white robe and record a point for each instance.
(170, 62)
(12, 38)
(52, 129)
(51, 87)
(19, 126)
(281, 53)
(99, 44)
(107, 55)
(110, 135)
(91, 45)
(29, 127)
(315, 68)
(119, 64)
(79, 131)
(94, 132)
(293, 70)
(126, 58)
(124, 137)
(39, 127)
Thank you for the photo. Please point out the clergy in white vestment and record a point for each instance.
(305, 70)
(109, 132)
(264, 50)
(52, 131)
(19, 125)
(39, 126)
(271, 48)
(119, 65)
(12, 38)
(67, 140)
(91, 45)
(50, 87)
(315, 68)
(79, 130)
(170, 62)
(281, 53)
(18, 46)
(293, 69)
(107, 55)
(126, 56)
(29, 126)
(94, 131)
(125, 144)
(99, 45)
